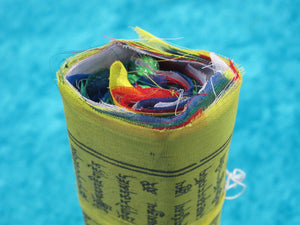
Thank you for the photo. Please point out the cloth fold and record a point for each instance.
(149, 127)
(152, 83)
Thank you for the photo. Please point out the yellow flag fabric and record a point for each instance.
(139, 167)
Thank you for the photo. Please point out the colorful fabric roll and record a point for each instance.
(149, 127)
(151, 83)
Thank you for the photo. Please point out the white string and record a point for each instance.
(237, 176)
(178, 100)
(213, 88)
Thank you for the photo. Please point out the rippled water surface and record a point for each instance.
(37, 182)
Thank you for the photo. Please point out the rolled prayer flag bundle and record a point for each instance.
(149, 126)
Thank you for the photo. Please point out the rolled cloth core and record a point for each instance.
(149, 127)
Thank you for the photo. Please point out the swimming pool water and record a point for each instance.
(37, 182)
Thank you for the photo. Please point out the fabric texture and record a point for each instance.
(159, 158)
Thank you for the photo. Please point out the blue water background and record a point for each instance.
(37, 182)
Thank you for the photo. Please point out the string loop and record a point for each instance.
(233, 180)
